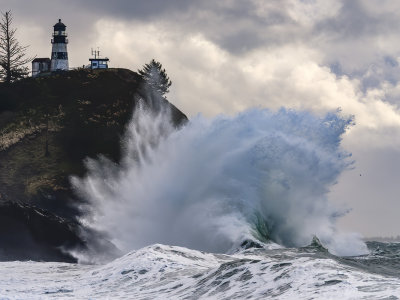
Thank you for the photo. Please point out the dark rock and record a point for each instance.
(72, 116)
(27, 232)
(247, 244)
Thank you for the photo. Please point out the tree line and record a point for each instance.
(13, 57)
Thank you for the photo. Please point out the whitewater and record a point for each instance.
(214, 183)
(231, 207)
(171, 272)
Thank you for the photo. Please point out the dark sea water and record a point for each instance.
(384, 259)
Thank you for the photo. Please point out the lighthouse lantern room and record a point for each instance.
(59, 54)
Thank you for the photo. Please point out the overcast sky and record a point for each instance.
(225, 56)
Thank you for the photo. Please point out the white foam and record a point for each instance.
(209, 184)
(168, 272)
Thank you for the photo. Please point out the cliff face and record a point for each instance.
(49, 125)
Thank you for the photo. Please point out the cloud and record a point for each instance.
(203, 71)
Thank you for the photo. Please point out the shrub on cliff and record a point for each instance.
(156, 77)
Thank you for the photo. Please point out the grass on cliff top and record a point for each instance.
(87, 113)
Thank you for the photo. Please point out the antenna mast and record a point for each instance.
(96, 53)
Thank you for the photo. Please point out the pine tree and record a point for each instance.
(13, 59)
(156, 77)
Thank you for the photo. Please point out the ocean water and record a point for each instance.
(240, 198)
(171, 272)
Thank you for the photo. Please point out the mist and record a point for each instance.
(212, 184)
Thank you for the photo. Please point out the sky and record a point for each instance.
(228, 55)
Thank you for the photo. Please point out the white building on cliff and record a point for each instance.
(59, 53)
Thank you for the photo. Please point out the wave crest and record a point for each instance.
(217, 182)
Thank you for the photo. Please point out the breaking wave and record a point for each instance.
(213, 183)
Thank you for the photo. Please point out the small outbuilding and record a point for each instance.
(40, 65)
(99, 63)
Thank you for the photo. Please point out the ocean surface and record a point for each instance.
(170, 272)
(257, 177)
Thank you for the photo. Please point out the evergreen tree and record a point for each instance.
(156, 77)
(12, 55)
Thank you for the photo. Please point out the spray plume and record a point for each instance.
(210, 185)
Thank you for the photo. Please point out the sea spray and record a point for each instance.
(216, 182)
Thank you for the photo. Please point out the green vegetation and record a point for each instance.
(156, 77)
(79, 114)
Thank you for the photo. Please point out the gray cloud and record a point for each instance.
(352, 22)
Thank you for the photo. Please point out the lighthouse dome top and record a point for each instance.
(59, 26)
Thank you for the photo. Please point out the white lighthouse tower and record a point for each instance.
(59, 54)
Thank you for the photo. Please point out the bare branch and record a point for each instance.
(13, 58)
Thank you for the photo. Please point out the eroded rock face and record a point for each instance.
(27, 232)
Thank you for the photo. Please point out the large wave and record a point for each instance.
(215, 182)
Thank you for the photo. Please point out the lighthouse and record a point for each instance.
(59, 54)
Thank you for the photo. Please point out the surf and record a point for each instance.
(258, 175)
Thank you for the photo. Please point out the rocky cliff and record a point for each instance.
(48, 126)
